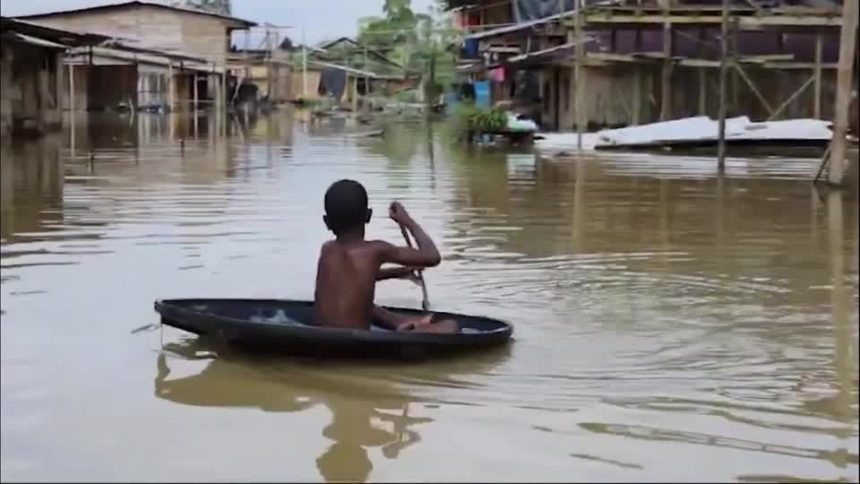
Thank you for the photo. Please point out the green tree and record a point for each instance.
(420, 42)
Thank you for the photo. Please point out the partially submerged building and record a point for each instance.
(650, 60)
(160, 55)
(32, 79)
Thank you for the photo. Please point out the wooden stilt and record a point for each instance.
(579, 73)
(816, 106)
(72, 110)
(171, 87)
(637, 95)
(703, 87)
(844, 82)
(196, 94)
(666, 73)
(724, 70)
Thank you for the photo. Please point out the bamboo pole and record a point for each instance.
(844, 82)
(724, 70)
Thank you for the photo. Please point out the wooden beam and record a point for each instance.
(791, 99)
(753, 88)
(744, 23)
(702, 91)
(844, 82)
(816, 103)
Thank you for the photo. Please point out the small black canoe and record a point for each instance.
(286, 326)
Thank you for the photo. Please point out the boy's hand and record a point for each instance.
(414, 275)
(399, 214)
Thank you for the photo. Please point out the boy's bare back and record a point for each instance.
(346, 282)
(349, 266)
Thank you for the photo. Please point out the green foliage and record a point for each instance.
(416, 41)
(471, 118)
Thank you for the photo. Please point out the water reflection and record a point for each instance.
(650, 299)
(369, 408)
(31, 186)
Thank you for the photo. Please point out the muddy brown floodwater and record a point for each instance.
(669, 324)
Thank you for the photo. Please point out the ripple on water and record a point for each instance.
(661, 317)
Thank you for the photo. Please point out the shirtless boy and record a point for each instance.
(349, 266)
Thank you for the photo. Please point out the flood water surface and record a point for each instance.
(669, 324)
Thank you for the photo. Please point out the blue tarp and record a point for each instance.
(526, 10)
(482, 94)
(333, 82)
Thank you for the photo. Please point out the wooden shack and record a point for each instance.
(648, 60)
(31, 75)
(195, 44)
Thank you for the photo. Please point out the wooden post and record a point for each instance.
(304, 67)
(733, 52)
(724, 70)
(816, 107)
(579, 87)
(844, 82)
(72, 110)
(223, 89)
(71, 88)
(637, 94)
(354, 94)
(703, 86)
(171, 87)
(666, 72)
(196, 91)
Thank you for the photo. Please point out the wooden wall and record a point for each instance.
(610, 98)
(30, 79)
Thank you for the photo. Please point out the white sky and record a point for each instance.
(321, 19)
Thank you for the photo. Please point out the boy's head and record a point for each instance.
(346, 207)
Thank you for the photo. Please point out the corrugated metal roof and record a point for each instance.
(138, 3)
(36, 41)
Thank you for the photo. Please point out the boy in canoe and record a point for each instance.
(349, 265)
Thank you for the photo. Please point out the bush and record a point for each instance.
(469, 117)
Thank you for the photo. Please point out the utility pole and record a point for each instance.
(724, 70)
(844, 82)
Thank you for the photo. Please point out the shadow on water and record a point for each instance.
(369, 408)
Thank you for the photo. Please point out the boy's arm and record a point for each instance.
(426, 255)
(394, 273)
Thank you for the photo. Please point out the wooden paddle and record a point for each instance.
(425, 302)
